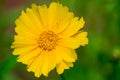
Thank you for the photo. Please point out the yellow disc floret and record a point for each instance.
(48, 40)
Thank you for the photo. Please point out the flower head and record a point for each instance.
(47, 38)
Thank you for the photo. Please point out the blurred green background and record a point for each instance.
(99, 60)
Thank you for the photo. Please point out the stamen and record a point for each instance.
(48, 40)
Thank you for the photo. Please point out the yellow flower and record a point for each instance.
(47, 38)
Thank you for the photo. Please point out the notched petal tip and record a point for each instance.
(34, 5)
(60, 71)
(28, 9)
(12, 46)
(45, 74)
(82, 19)
(82, 22)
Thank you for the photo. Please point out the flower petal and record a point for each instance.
(58, 17)
(43, 64)
(20, 41)
(36, 65)
(23, 50)
(74, 27)
(35, 19)
(80, 39)
(69, 42)
(63, 65)
(21, 29)
(28, 57)
(27, 21)
(49, 62)
(66, 54)
(43, 14)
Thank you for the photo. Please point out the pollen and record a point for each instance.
(48, 40)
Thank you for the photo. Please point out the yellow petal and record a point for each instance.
(23, 50)
(82, 38)
(52, 61)
(60, 67)
(36, 65)
(35, 19)
(58, 17)
(49, 62)
(22, 30)
(69, 42)
(45, 62)
(64, 22)
(36, 9)
(26, 58)
(26, 20)
(66, 54)
(70, 64)
(52, 14)
(43, 13)
(20, 41)
(63, 65)
(73, 28)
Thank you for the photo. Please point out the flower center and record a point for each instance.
(48, 40)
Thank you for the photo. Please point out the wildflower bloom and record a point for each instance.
(47, 38)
